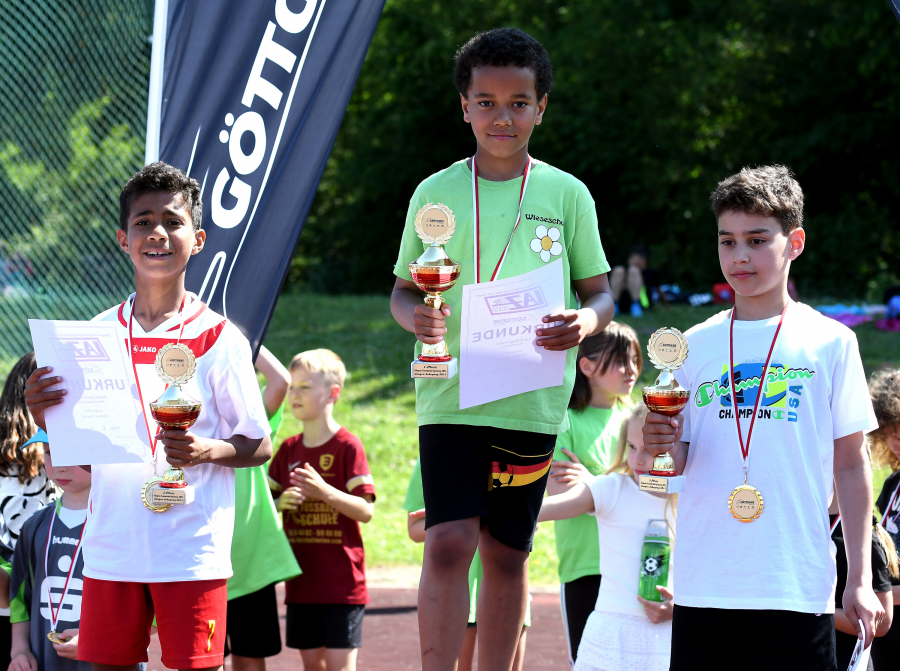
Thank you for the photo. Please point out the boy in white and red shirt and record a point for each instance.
(139, 564)
(321, 480)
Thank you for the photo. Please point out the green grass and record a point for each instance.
(378, 403)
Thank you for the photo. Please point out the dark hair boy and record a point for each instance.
(139, 563)
(526, 214)
(754, 548)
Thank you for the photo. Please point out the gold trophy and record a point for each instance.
(667, 350)
(175, 365)
(434, 272)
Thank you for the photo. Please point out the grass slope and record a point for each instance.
(378, 403)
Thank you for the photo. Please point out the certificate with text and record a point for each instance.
(100, 419)
(497, 352)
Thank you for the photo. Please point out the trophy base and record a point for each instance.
(663, 484)
(439, 370)
(166, 496)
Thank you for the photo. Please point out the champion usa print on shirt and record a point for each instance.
(782, 395)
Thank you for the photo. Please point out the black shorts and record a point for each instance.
(498, 475)
(252, 628)
(324, 625)
(751, 640)
(578, 601)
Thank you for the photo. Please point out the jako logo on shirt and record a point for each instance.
(516, 301)
(80, 349)
(781, 395)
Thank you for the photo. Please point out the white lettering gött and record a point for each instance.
(252, 122)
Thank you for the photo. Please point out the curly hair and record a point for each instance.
(162, 177)
(613, 346)
(768, 191)
(17, 425)
(884, 388)
(503, 47)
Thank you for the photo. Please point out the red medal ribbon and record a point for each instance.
(478, 220)
(745, 449)
(137, 380)
(54, 617)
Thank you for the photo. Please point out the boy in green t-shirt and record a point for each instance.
(503, 77)
(260, 553)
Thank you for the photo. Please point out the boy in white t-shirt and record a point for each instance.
(173, 565)
(767, 582)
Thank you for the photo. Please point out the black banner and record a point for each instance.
(248, 100)
(895, 5)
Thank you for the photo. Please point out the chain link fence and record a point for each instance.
(73, 109)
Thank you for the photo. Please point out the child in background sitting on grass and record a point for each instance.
(322, 483)
(607, 367)
(884, 388)
(39, 572)
(414, 504)
(625, 631)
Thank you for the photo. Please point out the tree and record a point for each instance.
(655, 101)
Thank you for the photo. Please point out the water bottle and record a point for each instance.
(654, 560)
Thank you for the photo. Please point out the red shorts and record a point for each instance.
(190, 617)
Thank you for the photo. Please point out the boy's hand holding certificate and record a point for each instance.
(498, 349)
(97, 421)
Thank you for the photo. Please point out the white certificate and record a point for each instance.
(860, 658)
(99, 420)
(497, 353)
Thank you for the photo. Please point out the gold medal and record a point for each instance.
(745, 503)
(54, 638)
(147, 495)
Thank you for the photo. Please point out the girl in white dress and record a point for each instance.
(625, 632)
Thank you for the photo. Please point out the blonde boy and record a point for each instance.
(322, 483)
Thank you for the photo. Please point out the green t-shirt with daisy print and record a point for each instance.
(559, 222)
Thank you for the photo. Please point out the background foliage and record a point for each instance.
(655, 101)
(73, 109)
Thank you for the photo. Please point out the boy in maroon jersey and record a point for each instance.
(321, 480)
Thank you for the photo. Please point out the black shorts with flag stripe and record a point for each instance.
(498, 475)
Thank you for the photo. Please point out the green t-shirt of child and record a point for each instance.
(260, 552)
(558, 207)
(592, 435)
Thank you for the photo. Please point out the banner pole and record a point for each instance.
(157, 68)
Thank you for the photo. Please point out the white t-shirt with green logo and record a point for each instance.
(558, 207)
(815, 392)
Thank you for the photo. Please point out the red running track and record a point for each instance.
(391, 635)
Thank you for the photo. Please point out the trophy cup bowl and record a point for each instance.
(666, 397)
(174, 410)
(667, 351)
(434, 272)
